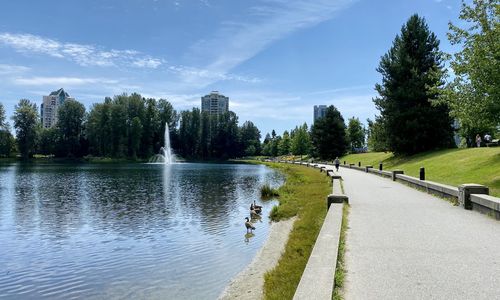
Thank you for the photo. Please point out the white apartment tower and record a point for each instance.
(50, 104)
(215, 103)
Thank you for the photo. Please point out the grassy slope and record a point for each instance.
(451, 166)
(303, 195)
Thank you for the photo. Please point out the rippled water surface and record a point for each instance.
(135, 231)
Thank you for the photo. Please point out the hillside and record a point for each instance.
(450, 166)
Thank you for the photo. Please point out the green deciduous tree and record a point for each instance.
(301, 141)
(49, 142)
(377, 136)
(250, 139)
(70, 125)
(284, 144)
(26, 125)
(3, 122)
(474, 94)
(411, 70)
(6, 139)
(135, 136)
(355, 134)
(328, 135)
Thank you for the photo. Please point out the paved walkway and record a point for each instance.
(406, 244)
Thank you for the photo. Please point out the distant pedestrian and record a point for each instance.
(337, 163)
(478, 140)
(487, 138)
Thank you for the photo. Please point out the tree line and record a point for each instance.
(327, 138)
(127, 126)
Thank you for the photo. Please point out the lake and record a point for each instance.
(135, 231)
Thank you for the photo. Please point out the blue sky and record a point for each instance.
(274, 59)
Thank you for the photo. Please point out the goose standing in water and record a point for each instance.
(254, 214)
(256, 206)
(255, 209)
(249, 225)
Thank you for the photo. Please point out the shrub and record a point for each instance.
(267, 191)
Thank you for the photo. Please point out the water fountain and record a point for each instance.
(165, 156)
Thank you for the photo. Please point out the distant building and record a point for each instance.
(319, 111)
(215, 103)
(50, 104)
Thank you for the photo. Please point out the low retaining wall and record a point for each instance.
(318, 279)
(473, 196)
(441, 190)
(486, 204)
(319, 274)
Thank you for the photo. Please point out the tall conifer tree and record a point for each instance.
(328, 135)
(411, 70)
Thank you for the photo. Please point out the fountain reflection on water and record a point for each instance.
(165, 156)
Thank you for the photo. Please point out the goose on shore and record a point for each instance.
(249, 225)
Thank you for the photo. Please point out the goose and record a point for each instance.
(256, 206)
(249, 225)
(253, 208)
(254, 214)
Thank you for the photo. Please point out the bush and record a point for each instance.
(274, 215)
(267, 191)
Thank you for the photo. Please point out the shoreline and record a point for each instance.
(249, 283)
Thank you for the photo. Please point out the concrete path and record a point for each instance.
(406, 244)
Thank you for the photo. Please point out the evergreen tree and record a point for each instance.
(409, 70)
(328, 135)
(26, 123)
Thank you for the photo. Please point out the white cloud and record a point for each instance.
(205, 76)
(238, 41)
(84, 55)
(149, 62)
(12, 69)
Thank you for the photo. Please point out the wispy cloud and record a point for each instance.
(192, 75)
(84, 55)
(91, 55)
(271, 20)
(12, 69)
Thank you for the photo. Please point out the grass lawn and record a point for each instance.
(303, 195)
(450, 166)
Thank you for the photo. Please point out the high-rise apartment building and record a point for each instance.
(50, 104)
(215, 103)
(319, 111)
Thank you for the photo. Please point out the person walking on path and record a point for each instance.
(478, 140)
(337, 163)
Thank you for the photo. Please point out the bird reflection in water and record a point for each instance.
(248, 236)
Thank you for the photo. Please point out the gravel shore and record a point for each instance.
(248, 284)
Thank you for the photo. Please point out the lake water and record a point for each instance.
(127, 231)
